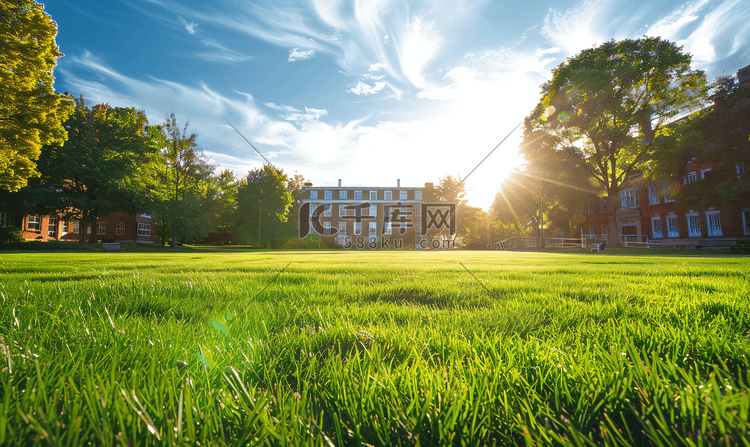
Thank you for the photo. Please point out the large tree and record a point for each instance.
(31, 114)
(91, 173)
(264, 200)
(608, 106)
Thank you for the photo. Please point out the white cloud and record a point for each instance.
(579, 27)
(295, 55)
(669, 27)
(190, 27)
(365, 89)
(376, 67)
(416, 46)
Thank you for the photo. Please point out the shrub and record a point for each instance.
(108, 241)
(10, 235)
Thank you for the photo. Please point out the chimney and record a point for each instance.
(398, 182)
(339, 183)
(428, 185)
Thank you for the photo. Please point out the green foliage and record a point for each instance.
(31, 114)
(374, 348)
(264, 194)
(10, 235)
(91, 174)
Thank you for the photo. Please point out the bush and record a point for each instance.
(108, 241)
(10, 235)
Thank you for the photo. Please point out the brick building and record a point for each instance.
(374, 217)
(119, 226)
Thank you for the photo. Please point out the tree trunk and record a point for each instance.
(613, 238)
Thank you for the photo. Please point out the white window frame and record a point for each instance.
(713, 222)
(328, 195)
(342, 228)
(342, 195)
(627, 199)
(144, 229)
(657, 230)
(387, 228)
(34, 223)
(51, 227)
(120, 229)
(670, 232)
(357, 195)
(694, 223)
(691, 177)
(592, 210)
(313, 195)
(417, 195)
(327, 228)
(313, 209)
(357, 228)
(65, 227)
(373, 228)
(342, 210)
(592, 230)
(101, 228)
(327, 210)
(76, 226)
(653, 197)
(417, 210)
(373, 211)
(703, 173)
(387, 195)
(403, 195)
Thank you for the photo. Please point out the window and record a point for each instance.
(75, 227)
(3, 219)
(627, 198)
(373, 195)
(358, 210)
(387, 228)
(417, 227)
(342, 210)
(52, 228)
(653, 196)
(357, 228)
(144, 229)
(313, 195)
(35, 223)
(694, 225)
(703, 173)
(387, 195)
(120, 230)
(101, 228)
(88, 229)
(342, 227)
(672, 229)
(741, 170)
(373, 228)
(327, 228)
(583, 232)
(592, 210)
(357, 195)
(656, 227)
(592, 230)
(417, 195)
(146, 216)
(327, 210)
(692, 177)
(714, 223)
(604, 230)
(342, 195)
(387, 212)
(602, 208)
(373, 210)
(746, 221)
(402, 195)
(329, 195)
(313, 210)
(65, 227)
(417, 210)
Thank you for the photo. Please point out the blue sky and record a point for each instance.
(368, 91)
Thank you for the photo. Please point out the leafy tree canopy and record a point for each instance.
(30, 112)
(265, 194)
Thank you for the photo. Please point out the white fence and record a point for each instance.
(520, 243)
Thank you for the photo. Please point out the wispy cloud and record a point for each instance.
(366, 89)
(219, 53)
(190, 27)
(295, 55)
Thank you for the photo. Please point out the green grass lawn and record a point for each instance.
(216, 347)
